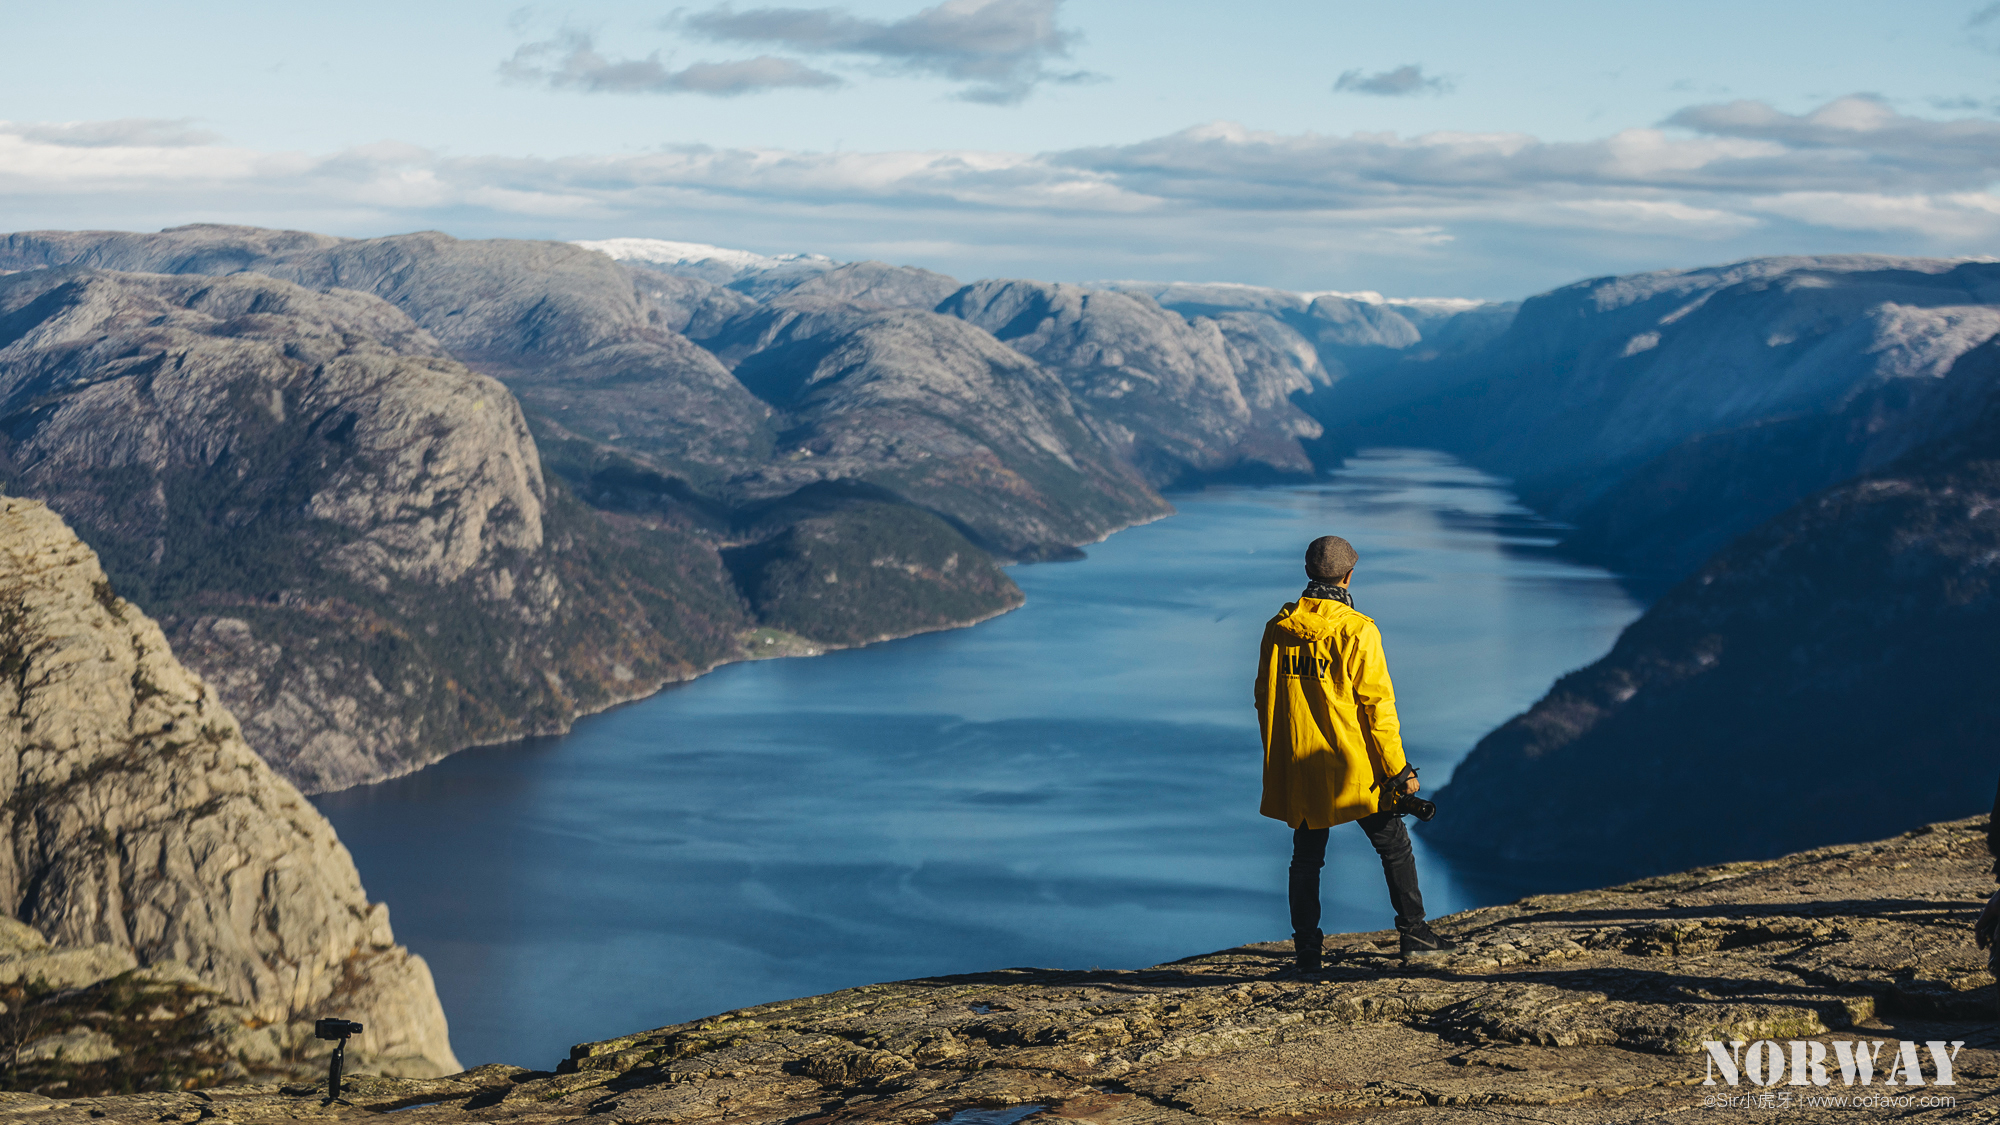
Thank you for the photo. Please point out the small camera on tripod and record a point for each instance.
(335, 1029)
(338, 1031)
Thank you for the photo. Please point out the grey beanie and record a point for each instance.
(1330, 558)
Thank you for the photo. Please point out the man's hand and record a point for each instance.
(1989, 921)
(1411, 786)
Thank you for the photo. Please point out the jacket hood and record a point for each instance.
(1308, 617)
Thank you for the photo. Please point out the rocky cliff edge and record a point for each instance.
(1586, 1008)
(143, 831)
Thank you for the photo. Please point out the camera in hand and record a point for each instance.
(335, 1029)
(1413, 805)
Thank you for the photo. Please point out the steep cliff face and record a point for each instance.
(1665, 413)
(1674, 510)
(825, 561)
(936, 412)
(1369, 356)
(138, 819)
(348, 533)
(1828, 674)
(1354, 335)
(1164, 390)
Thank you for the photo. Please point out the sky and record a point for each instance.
(1425, 148)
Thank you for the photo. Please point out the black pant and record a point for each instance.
(1399, 866)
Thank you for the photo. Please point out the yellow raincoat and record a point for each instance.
(1328, 716)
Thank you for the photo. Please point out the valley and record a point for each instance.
(391, 498)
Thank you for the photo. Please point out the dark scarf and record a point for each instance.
(1330, 591)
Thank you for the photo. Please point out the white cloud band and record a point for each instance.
(1502, 212)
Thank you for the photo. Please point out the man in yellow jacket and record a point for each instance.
(1333, 751)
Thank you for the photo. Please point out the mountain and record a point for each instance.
(588, 347)
(762, 277)
(1142, 358)
(898, 287)
(326, 470)
(397, 496)
(1170, 394)
(1665, 413)
(492, 485)
(1351, 331)
(556, 322)
(143, 831)
(1380, 351)
(931, 410)
(1827, 674)
(717, 265)
(348, 533)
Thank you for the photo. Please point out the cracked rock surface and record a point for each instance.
(1583, 1008)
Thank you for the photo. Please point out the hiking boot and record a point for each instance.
(1419, 940)
(1306, 950)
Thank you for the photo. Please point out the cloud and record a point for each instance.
(1402, 82)
(1980, 26)
(125, 132)
(1003, 48)
(1940, 217)
(1964, 103)
(570, 61)
(1489, 214)
(1860, 139)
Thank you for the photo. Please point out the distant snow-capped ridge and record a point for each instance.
(660, 251)
(1168, 292)
(1432, 304)
(721, 264)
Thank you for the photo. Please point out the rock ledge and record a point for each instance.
(1587, 1007)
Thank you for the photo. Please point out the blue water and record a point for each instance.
(1074, 784)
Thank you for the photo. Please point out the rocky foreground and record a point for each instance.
(1582, 1008)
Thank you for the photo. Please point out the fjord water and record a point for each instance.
(1073, 784)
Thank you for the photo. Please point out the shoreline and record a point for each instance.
(822, 649)
(745, 657)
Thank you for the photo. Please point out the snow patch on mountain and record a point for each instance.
(660, 251)
(1428, 304)
(1247, 296)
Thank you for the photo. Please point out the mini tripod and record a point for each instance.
(337, 1031)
